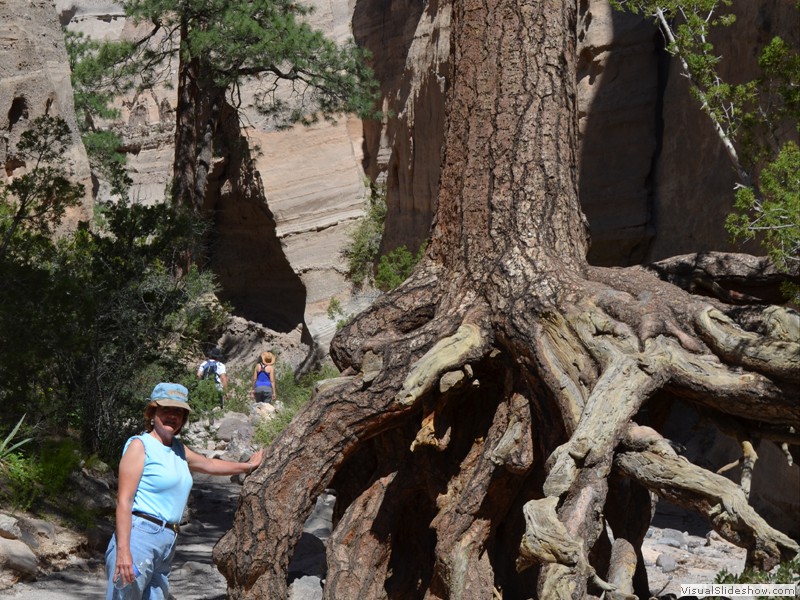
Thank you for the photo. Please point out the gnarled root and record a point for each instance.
(776, 357)
(650, 460)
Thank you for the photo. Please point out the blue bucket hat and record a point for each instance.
(171, 394)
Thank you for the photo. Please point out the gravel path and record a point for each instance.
(194, 575)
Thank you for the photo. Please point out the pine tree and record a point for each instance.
(299, 74)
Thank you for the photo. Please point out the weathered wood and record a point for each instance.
(477, 497)
(777, 357)
(720, 500)
(622, 569)
(355, 538)
(728, 276)
(445, 355)
(629, 510)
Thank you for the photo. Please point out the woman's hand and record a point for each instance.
(255, 460)
(124, 567)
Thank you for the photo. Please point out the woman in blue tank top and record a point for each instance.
(154, 484)
(264, 388)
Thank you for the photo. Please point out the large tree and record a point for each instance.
(296, 72)
(491, 421)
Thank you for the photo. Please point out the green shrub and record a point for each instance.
(395, 267)
(365, 240)
(23, 476)
(336, 312)
(7, 448)
(58, 460)
(786, 573)
(203, 395)
(240, 384)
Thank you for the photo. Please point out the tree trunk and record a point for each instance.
(199, 108)
(487, 402)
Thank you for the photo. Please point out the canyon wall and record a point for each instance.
(279, 229)
(35, 81)
(687, 216)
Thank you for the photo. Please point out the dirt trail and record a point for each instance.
(194, 575)
(676, 551)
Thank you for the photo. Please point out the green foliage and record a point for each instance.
(204, 395)
(22, 476)
(58, 460)
(395, 267)
(33, 205)
(233, 40)
(294, 394)
(775, 214)
(363, 250)
(102, 150)
(755, 120)
(240, 384)
(786, 573)
(143, 311)
(334, 308)
(336, 312)
(90, 322)
(100, 72)
(365, 240)
(7, 448)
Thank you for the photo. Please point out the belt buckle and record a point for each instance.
(175, 527)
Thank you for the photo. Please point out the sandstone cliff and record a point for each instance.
(279, 229)
(34, 81)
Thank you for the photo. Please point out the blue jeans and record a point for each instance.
(263, 393)
(148, 541)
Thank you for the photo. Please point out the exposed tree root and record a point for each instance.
(622, 569)
(610, 376)
(732, 278)
(648, 459)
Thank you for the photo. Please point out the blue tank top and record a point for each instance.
(166, 481)
(262, 380)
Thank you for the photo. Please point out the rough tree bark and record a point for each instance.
(488, 425)
(199, 109)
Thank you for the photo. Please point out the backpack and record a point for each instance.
(210, 370)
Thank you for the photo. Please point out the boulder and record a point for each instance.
(18, 558)
(9, 527)
(234, 425)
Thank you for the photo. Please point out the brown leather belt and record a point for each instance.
(176, 527)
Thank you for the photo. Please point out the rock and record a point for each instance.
(97, 492)
(9, 527)
(673, 538)
(98, 534)
(667, 563)
(16, 556)
(262, 410)
(712, 536)
(234, 425)
(34, 81)
(36, 531)
(306, 588)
